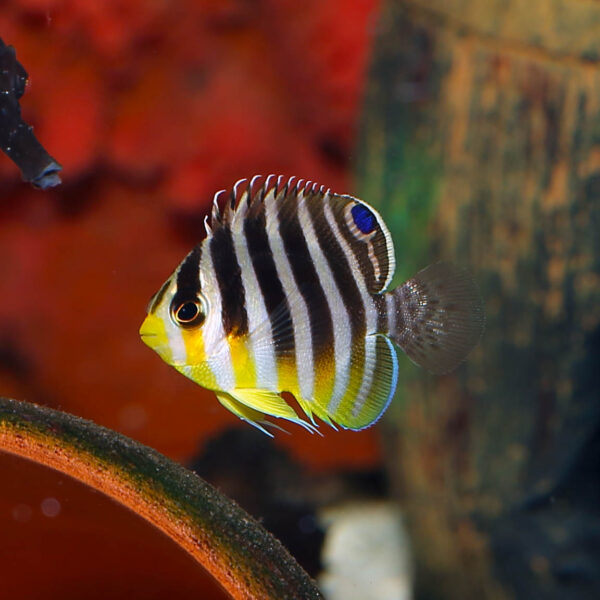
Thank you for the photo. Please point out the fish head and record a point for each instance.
(174, 324)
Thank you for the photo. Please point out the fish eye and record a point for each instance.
(188, 314)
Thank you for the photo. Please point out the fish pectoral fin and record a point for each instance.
(268, 403)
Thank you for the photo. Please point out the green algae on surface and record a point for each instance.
(246, 560)
(399, 169)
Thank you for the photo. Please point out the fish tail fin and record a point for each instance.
(437, 317)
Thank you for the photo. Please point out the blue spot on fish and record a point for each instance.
(363, 218)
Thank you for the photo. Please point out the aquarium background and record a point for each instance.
(150, 107)
(475, 130)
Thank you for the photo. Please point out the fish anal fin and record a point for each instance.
(363, 404)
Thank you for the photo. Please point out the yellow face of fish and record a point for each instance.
(173, 327)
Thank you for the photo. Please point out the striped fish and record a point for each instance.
(287, 293)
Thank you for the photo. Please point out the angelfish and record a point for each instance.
(288, 293)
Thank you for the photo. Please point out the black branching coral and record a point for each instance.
(16, 137)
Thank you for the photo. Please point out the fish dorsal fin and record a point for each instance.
(246, 196)
(360, 226)
(362, 232)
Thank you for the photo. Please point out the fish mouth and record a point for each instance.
(150, 327)
(154, 335)
(150, 339)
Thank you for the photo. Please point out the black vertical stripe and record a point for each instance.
(188, 278)
(380, 248)
(306, 276)
(401, 303)
(229, 278)
(381, 306)
(271, 288)
(157, 298)
(345, 278)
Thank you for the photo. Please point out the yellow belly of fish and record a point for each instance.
(325, 371)
(201, 374)
(244, 366)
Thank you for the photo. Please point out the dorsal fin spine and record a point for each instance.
(255, 191)
(207, 226)
(251, 187)
(289, 186)
(234, 192)
(216, 213)
(266, 186)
